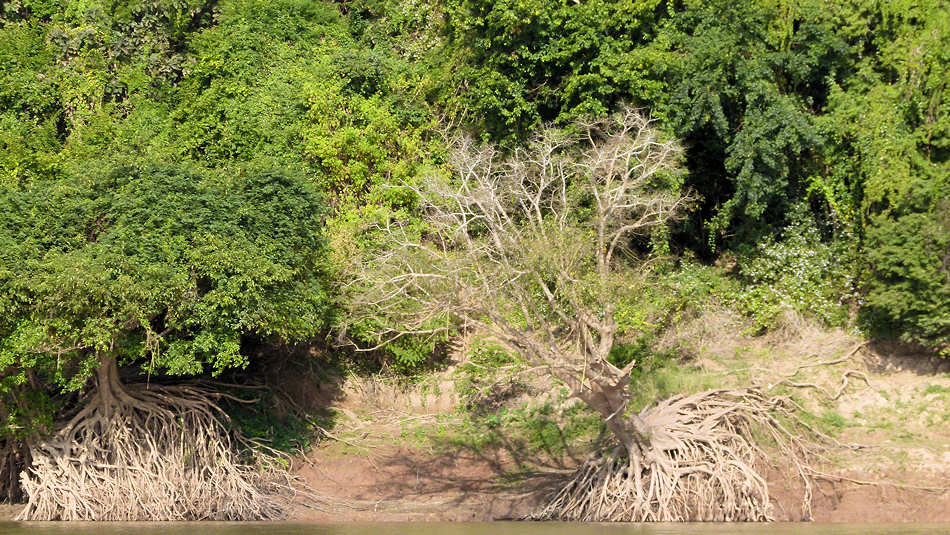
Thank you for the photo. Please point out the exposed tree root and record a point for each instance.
(703, 463)
(149, 453)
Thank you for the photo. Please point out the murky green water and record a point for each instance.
(494, 528)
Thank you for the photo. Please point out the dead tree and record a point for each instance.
(532, 249)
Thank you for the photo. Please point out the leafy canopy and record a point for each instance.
(168, 267)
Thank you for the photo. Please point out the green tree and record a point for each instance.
(909, 292)
(165, 270)
(753, 76)
(170, 265)
(529, 61)
(888, 163)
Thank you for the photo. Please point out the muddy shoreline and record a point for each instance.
(844, 504)
(403, 485)
(408, 485)
(7, 512)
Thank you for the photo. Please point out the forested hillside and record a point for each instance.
(183, 182)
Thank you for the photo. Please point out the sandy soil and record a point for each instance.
(7, 512)
(401, 484)
(895, 404)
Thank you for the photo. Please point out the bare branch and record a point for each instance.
(529, 248)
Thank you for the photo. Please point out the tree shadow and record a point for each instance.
(468, 478)
(505, 475)
(892, 355)
(285, 394)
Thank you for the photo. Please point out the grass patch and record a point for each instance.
(833, 421)
(661, 375)
(937, 389)
(500, 409)
(526, 431)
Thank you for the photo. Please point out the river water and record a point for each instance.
(485, 528)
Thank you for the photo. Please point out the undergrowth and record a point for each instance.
(263, 421)
(501, 408)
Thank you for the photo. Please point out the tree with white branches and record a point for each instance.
(532, 248)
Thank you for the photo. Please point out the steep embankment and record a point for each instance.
(410, 453)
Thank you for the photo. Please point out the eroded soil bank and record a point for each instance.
(408, 452)
(405, 485)
(411, 485)
(391, 458)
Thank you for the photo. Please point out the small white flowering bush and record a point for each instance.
(799, 273)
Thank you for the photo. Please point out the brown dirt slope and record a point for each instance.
(401, 484)
(385, 462)
(388, 457)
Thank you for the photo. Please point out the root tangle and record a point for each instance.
(159, 453)
(701, 464)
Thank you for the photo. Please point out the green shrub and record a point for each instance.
(909, 288)
(647, 310)
(800, 273)
(662, 375)
(488, 378)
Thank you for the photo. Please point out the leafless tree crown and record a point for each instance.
(528, 247)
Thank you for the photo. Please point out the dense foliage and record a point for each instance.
(167, 268)
(828, 117)
(180, 176)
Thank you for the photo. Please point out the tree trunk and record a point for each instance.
(606, 394)
(632, 432)
(108, 387)
(14, 457)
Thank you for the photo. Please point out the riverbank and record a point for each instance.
(402, 485)
(408, 452)
(8, 512)
(461, 444)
